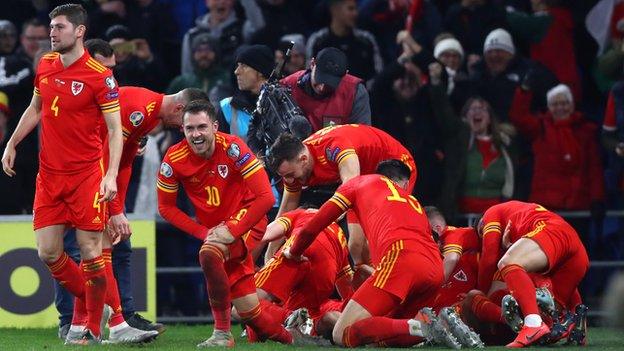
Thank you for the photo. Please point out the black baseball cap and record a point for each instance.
(331, 66)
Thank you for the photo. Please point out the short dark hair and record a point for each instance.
(285, 148)
(198, 106)
(99, 46)
(75, 13)
(433, 211)
(33, 22)
(393, 169)
(192, 94)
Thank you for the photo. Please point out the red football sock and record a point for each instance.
(265, 326)
(485, 310)
(68, 274)
(374, 330)
(212, 262)
(112, 292)
(95, 291)
(521, 288)
(278, 313)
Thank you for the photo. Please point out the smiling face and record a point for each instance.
(298, 169)
(478, 117)
(199, 131)
(560, 107)
(451, 59)
(64, 35)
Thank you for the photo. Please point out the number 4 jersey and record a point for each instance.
(230, 180)
(73, 99)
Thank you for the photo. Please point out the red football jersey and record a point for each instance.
(72, 102)
(387, 214)
(332, 145)
(527, 219)
(139, 115)
(460, 240)
(230, 180)
(332, 238)
(461, 281)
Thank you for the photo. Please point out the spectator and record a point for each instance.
(253, 67)
(478, 160)
(283, 16)
(549, 31)
(106, 14)
(471, 20)
(8, 37)
(447, 51)
(34, 34)
(223, 24)
(297, 59)
(207, 73)
(568, 173)
(501, 71)
(327, 94)
(136, 65)
(364, 58)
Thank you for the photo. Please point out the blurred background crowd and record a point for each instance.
(496, 99)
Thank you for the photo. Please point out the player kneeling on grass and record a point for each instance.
(382, 310)
(231, 194)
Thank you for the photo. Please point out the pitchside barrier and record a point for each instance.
(26, 286)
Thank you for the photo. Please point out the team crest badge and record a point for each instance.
(76, 87)
(223, 170)
(233, 151)
(136, 118)
(461, 276)
(166, 170)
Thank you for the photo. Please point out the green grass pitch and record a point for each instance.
(183, 337)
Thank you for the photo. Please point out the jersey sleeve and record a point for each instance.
(453, 242)
(338, 150)
(106, 92)
(286, 221)
(329, 212)
(257, 182)
(490, 250)
(167, 185)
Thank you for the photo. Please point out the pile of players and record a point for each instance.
(406, 284)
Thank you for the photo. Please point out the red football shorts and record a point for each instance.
(70, 199)
(240, 266)
(397, 275)
(253, 237)
(567, 259)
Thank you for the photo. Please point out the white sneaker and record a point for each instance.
(546, 302)
(107, 312)
(75, 333)
(299, 319)
(466, 336)
(219, 338)
(86, 338)
(125, 334)
(300, 339)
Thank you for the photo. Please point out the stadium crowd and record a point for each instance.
(476, 107)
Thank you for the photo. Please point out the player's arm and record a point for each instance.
(343, 282)
(277, 229)
(358, 248)
(29, 120)
(167, 188)
(452, 250)
(349, 167)
(329, 212)
(449, 262)
(108, 187)
(490, 253)
(118, 219)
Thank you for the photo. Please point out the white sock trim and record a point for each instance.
(118, 327)
(415, 328)
(77, 328)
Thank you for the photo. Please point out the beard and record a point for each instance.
(63, 49)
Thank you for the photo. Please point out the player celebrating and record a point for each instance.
(335, 155)
(538, 241)
(311, 284)
(398, 236)
(231, 194)
(71, 93)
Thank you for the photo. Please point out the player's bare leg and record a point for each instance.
(325, 326)
(525, 255)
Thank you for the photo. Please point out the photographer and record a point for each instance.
(136, 63)
(327, 94)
